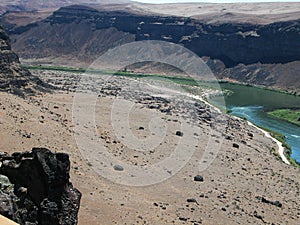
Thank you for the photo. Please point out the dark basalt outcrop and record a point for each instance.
(25, 5)
(41, 192)
(263, 54)
(13, 77)
(231, 43)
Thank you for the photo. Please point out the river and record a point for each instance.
(253, 103)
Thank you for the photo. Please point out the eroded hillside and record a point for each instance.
(13, 77)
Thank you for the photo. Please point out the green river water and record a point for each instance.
(253, 103)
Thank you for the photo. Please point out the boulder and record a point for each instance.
(42, 192)
(264, 200)
(235, 145)
(198, 178)
(118, 168)
(179, 133)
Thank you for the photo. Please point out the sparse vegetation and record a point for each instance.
(55, 68)
(177, 79)
(259, 87)
(289, 115)
(288, 151)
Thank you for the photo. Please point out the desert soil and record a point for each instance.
(236, 184)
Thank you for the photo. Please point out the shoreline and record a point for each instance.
(282, 118)
(280, 149)
(83, 70)
(108, 197)
(259, 86)
(267, 134)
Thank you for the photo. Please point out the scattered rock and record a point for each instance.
(278, 204)
(243, 168)
(235, 145)
(258, 216)
(179, 133)
(229, 138)
(183, 219)
(191, 200)
(198, 178)
(275, 203)
(118, 168)
(42, 119)
(26, 135)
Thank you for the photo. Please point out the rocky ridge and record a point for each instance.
(232, 43)
(35, 188)
(33, 5)
(263, 54)
(13, 77)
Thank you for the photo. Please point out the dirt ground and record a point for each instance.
(234, 188)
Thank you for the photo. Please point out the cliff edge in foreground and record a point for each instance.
(35, 188)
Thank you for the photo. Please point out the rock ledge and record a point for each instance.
(35, 188)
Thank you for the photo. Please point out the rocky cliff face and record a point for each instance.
(83, 33)
(14, 78)
(25, 5)
(35, 188)
(231, 43)
(277, 75)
